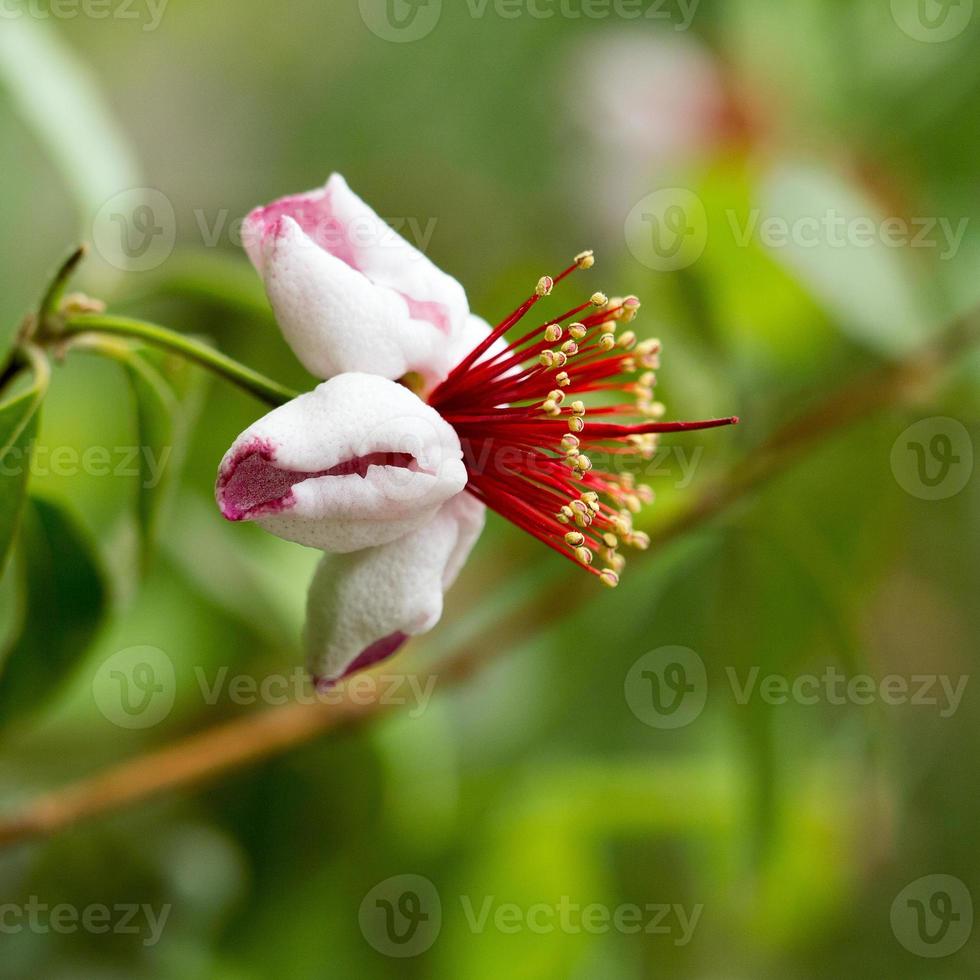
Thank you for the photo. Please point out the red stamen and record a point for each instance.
(526, 437)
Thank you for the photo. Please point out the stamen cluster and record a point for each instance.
(532, 447)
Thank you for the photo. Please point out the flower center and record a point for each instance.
(532, 450)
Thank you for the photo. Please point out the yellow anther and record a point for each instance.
(580, 513)
(633, 503)
(552, 333)
(609, 578)
(557, 396)
(544, 286)
(582, 463)
(551, 407)
(569, 442)
(645, 493)
(584, 555)
(627, 340)
(618, 562)
(610, 539)
(607, 341)
(547, 358)
(648, 379)
(608, 327)
(599, 299)
(585, 260)
(562, 517)
(576, 424)
(577, 331)
(578, 408)
(569, 348)
(563, 379)
(631, 306)
(561, 359)
(639, 540)
(575, 539)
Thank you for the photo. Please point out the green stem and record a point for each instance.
(194, 350)
(53, 296)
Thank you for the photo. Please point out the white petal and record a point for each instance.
(417, 311)
(389, 260)
(336, 320)
(355, 463)
(363, 606)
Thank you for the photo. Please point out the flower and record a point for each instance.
(427, 417)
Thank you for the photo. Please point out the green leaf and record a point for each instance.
(18, 429)
(58, 96)
(157, 411)
(65, 600)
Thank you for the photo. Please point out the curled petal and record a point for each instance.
(322, 255)
(362, 607)
(357, 462)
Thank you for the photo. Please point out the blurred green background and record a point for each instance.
(785, 835)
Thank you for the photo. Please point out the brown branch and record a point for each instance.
(231, 745)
